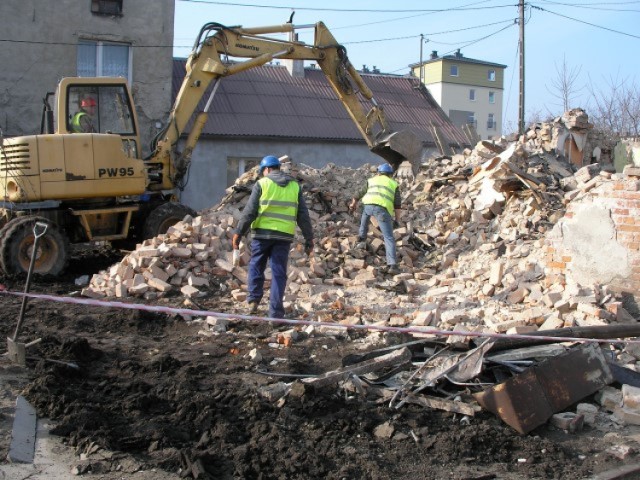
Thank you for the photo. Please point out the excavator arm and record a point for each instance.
(205, 65)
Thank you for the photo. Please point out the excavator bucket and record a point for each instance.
(398, 147)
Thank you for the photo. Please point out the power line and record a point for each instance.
(468, 44)
(586, 23)
(434, 33)
(348, 10)
(596, 6)
(389, 20)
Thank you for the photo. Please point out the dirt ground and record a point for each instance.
(151, 392)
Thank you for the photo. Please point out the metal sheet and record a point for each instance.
(520, 402)
(528, 400)
(573, 376)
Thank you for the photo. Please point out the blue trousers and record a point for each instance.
(386, 227)
(278, 252)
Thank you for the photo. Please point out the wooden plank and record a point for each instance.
(442, 404)
(537, 351)
(394, 358)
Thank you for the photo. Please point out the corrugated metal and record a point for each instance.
(268, 102)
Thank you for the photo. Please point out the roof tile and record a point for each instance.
(268, 102)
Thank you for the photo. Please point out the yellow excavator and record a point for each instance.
(87, 181)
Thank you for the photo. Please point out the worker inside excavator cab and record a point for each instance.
(83, 121)
(100, 109)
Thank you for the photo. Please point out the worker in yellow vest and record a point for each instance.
(82, 121)
(381, 199)
(275, 207)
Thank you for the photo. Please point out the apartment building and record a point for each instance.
(470, 91)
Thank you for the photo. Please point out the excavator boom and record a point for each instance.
(205, 65)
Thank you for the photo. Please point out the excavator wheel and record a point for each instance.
(163, 217)
(16, 247)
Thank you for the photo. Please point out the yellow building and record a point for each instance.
(469, 91)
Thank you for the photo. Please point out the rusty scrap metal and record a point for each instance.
(529, 399)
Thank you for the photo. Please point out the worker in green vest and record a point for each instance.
(275, 207)
(381, 199)
(82, 122)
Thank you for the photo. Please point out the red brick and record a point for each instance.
(566, 259)
(629, 228)
(631, 195)
(560, 265)
(620, 211)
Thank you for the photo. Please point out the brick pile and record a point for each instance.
(471, 246)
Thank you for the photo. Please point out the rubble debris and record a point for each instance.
(473, 239)
(397, 357)
(529, 399)
(480, 248)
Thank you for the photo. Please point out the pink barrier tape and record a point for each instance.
(295, 322)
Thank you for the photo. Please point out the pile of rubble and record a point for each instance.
(471, 248)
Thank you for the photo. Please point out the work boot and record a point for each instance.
(393, 270)
(253, 307)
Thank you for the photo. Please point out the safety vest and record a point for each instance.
(75, 122)
(278, 208)
(381, 191)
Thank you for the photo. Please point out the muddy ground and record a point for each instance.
(151, 392)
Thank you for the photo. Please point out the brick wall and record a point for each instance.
(621, 197)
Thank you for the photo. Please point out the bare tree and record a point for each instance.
(616, 108)
(564, 86)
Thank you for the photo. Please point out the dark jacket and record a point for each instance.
(250, 212)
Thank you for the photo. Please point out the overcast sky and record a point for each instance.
(598, 40)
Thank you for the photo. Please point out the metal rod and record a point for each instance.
(34, 252)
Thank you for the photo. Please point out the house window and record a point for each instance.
(471, 119)
(491, 75)
(454, 71)
(106, 7)
(102, 59)
(492, 97)
(472, 95)
(237, 166)
(491, 123)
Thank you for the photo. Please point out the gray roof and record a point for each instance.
(460, 59)
(267, 102)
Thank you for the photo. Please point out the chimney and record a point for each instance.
(434, 54)
(365, 69)
(294, 67)
(458, 54)
(375, 69)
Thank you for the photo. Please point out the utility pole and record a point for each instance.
(421, 66)
(521, 98)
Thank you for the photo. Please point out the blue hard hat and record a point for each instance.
(269, 162)
(385, 168)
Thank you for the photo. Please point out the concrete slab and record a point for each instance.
(51, 459)
(23, 434)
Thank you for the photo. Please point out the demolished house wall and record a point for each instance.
(574, 138)
(598, 240)
(207, 173)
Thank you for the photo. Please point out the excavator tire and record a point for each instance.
(16, 246)
(163, 217)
